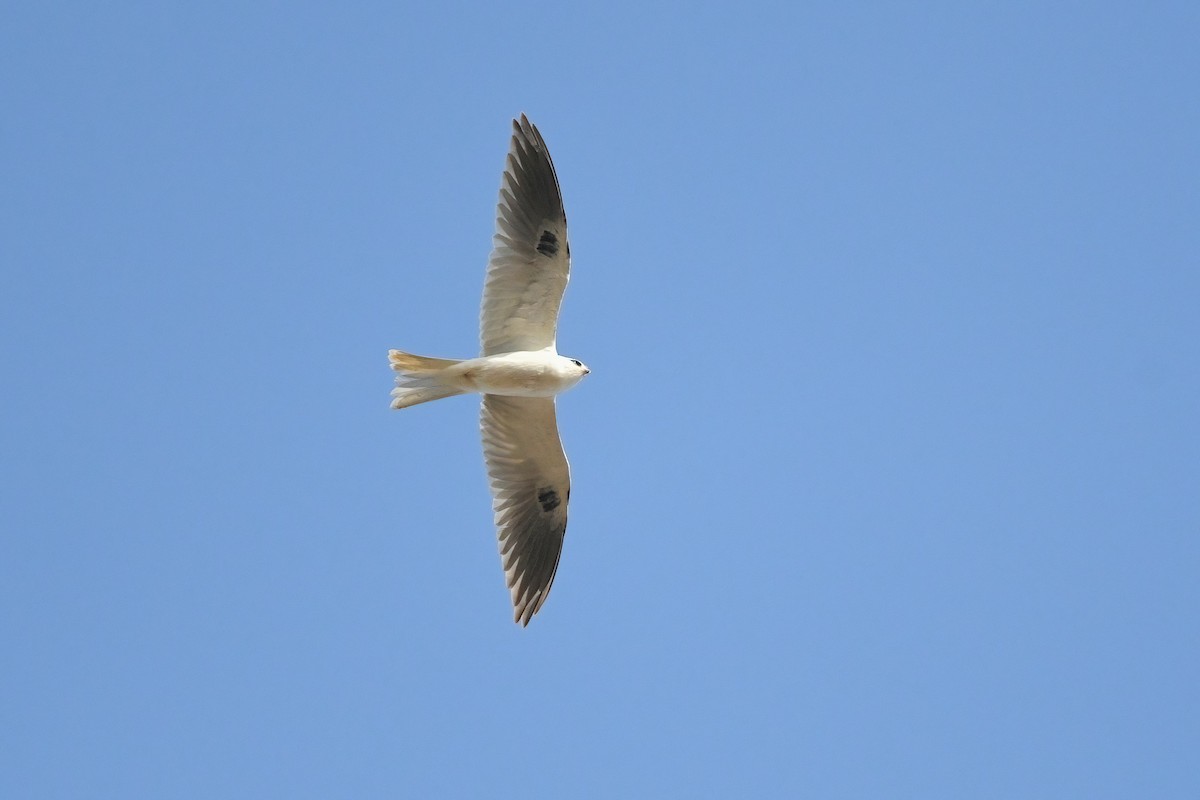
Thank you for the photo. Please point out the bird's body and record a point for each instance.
(525, 373)
(518, 373)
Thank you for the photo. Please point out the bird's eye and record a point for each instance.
(577, 362)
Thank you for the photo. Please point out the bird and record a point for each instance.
(518, 372)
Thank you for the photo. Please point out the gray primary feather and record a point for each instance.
(531, 260)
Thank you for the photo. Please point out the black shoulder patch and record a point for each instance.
(548, 244)
(548, 498)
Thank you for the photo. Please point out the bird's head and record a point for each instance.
(579, 365)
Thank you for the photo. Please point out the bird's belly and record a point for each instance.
(513, 377)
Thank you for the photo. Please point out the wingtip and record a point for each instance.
(527, 606)
(522, 126)
(522, 612)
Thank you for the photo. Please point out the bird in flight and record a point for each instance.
(518, 372)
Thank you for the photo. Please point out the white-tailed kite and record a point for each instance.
(518, 372)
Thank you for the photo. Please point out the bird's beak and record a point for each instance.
(586, 370)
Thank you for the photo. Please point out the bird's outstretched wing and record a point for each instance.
(530, 261)
(531, 483)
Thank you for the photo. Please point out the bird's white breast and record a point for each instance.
(539, 373)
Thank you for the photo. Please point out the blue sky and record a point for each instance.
(886, 477)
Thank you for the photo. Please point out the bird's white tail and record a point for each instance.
(418, 380)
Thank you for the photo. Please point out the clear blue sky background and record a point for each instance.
(887, 474)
